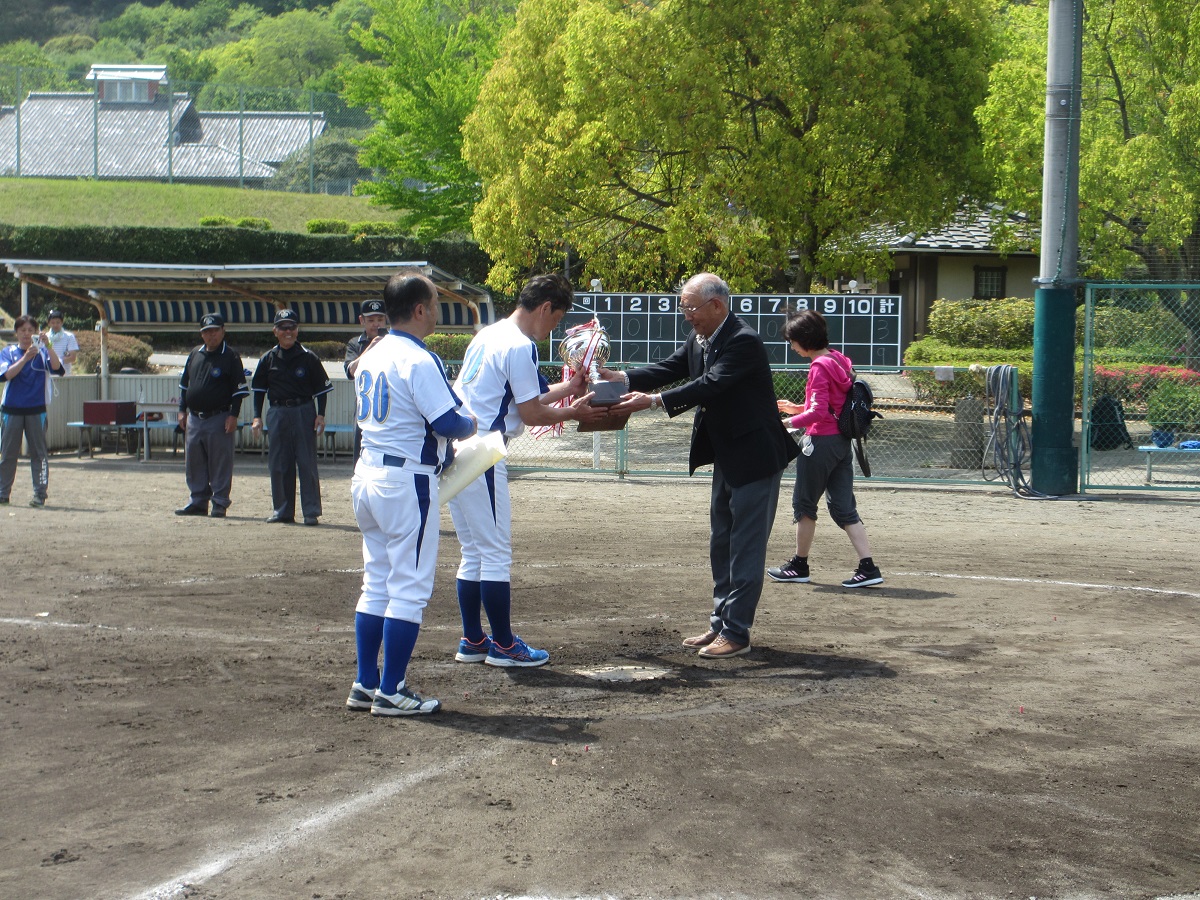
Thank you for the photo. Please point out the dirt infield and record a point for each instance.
(1013, 714)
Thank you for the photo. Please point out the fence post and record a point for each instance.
(17, 104)
(170, 133)
(241, 137)
(312, 102)
(96, 128)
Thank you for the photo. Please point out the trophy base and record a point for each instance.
(608, 393)
(611, 422)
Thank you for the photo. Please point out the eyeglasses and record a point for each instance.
(688, 310)
(286, 327)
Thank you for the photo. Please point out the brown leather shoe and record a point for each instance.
(700, 640)
(724, 648)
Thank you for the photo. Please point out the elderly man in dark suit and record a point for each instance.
(737, 428)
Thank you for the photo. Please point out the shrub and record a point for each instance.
(1134, 382)
(327, 350)
(450, 347)
(1174, 406)
(1005, 324)
(216, 222)
(374, 228)
(327, 226)
(253, 222)
(123, 352)
(1153, 330)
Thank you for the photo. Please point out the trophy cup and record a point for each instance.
(585, 349)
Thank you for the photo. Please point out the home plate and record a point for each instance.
(624, 673)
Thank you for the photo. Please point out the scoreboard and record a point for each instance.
(646, 328)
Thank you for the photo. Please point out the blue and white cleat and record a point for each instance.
(519, 654)
(403, 703)
(360, 697)
(469, 652)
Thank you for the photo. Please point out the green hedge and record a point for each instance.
(235, 246)
(327, 226)
(1004, 324)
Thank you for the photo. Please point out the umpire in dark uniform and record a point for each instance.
(294, 381)
(211, 390)
(375, 325)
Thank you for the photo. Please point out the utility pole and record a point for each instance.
(1055, 468)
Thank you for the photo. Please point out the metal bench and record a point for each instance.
(1151, 451)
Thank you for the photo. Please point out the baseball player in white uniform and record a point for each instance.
(503, 389)
(407, 412)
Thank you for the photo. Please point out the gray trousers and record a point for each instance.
(741, 519)
(292, 448)
(33, 429)
(208, 460)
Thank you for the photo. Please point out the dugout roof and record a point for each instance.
(145, 297)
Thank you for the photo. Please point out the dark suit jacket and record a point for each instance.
(737, 423)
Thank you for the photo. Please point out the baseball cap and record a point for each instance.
(287, 315)
(372, 308)
(212, 320)
(54, 314)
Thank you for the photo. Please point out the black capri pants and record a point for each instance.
(829, 471)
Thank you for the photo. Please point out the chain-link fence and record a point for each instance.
(934, 429)
(55, 126)
(1141, 388)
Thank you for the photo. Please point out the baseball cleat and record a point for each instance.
(469, 652)
(519, 654)
(403, 703)
(360, 697)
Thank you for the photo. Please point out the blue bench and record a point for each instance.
(1150, 450)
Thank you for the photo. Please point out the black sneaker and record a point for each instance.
(864, 577)
(795, 569)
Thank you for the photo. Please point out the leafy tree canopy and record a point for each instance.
(428, 59)
(739, 136)
(1139, 165)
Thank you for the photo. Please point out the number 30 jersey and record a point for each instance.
(400, 388)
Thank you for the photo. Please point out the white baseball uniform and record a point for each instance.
(401, 388)
(499, 371)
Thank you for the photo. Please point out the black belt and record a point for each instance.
(397, 462)
(291, 402)
(209, 413)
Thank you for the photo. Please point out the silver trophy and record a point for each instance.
(586, 348)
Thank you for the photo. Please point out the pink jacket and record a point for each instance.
(829, 381)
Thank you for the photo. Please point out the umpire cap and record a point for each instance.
(212, 320)
(372, 308)
(286, 315)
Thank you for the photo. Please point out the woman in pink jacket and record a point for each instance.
(825, 466)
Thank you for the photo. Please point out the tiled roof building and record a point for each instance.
(120, 132)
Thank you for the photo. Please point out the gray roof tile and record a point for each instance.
(57, 131)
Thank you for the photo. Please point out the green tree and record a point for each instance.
(748, 136)
(428, 58)
(334, 167)
(25, 67)
(1139, 166)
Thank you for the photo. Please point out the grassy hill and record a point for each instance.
(36, 201)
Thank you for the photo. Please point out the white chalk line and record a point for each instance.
(1081, 584)
(286, 836)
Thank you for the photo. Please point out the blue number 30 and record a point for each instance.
(373, 398)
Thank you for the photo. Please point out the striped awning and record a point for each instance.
(143, 297)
